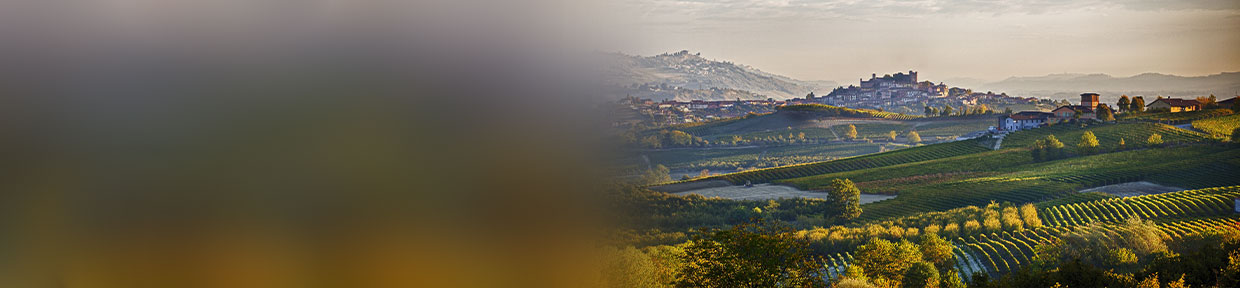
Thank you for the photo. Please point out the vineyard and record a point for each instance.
(1176, 214)
(908, 155)
(1009, 175)
(1133, 133)
(1180, 117)
(1219, 127)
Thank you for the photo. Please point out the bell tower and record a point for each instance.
(1089, 100)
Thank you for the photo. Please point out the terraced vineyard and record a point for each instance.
(1176, 214)
(1204, 202)
(1219, 127)
(901, 156)
(1133, 133)
(1003, 252)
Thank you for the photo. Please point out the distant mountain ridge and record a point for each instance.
(689, 76)
(1067, 86)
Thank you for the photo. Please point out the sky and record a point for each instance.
(844, 40)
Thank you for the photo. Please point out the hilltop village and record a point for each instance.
(900, 93)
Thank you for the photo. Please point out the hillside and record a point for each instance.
(689, 76)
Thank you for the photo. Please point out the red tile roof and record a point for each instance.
(1177, 102)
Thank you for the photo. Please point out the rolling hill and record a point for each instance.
(689, 76)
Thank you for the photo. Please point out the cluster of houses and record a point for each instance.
(1089, 102)
(892, 92)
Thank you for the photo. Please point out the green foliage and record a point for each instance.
(652, 268)
(1108, 246)
(851, 132)
(1049, 148)
(748, 255)
(921, 275)
(1154, 140)
(848, 198)
(891, 136)
(1088, 144)
(952, 279)
(913, 137)
(1138, 104)
(885, 260)
(1104, 113)
(937, 251)
(1123, 104)
(656, 175)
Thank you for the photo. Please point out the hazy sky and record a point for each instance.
(844, 40)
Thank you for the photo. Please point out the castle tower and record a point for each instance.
(1089, 99)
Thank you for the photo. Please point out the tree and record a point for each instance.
(913, 137)
(1104, 113)
(705, 173)
(1006, 111)
(659, 174)
(891, 136)
(680, 138)
(1047, 149)
(884, 261)
(1123, 104)
(851, 133)
(1138, 104)
(1154, 140)
(846, 197)
(1121, 145)
(929, 111)
(937, 251)
(1208, 102)
(952, 280)
(1088, 144)
(921, 275)
(755, 254)
(947, 110)
(801, 136)
(1235, 134)
(1036, 150)
(652, 141)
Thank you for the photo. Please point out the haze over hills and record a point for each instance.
(688, 76)
(1067, 86)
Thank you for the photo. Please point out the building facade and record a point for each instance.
(1174, 105)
